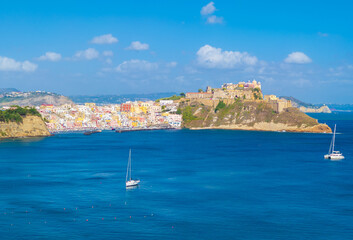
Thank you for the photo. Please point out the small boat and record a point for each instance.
(332, 154)
(129, 181)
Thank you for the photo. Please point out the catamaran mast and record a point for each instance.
(333, 140)
(128, 169)
(330, 149)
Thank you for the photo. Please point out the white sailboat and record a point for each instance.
(332, 154)
(129, 181)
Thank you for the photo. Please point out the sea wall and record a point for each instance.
(32, 126)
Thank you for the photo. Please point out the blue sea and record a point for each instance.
(205, 184)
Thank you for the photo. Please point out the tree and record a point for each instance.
(200, 90)
(182, 94)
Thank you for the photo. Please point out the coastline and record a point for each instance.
(115, 130)
(271, 127)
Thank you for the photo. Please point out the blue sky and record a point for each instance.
(298, 48)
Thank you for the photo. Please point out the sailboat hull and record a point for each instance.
(132, 183)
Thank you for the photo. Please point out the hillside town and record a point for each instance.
(70, 117)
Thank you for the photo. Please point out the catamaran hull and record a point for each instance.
(336, 158)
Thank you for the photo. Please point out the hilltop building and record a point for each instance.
(277, 104)
(243, 90)
(248, 91)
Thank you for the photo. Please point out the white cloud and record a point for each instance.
(9, 64)
(297, 57)
(136, 65)
(50, 56)
(214, 19)
(88, 54)
(137, 45)
(108, 53)
(212, 57)
(208, 9)
(29, 67)
(104, 39)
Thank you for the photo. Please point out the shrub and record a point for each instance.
(16, 114)
(187, 114)
(220, 105)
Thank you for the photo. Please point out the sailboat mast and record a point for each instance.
(333, 140)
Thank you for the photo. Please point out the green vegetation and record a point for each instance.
(16, 114)
(246, 113)
(182, 94)
(200, 90)
(187, 114)
(219, 106)
(174, 97)
(178, 111)
(257, 93)
(293, 116)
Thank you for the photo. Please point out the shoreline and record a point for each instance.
(112, 130)
(320, 128)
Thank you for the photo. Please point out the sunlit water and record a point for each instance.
(209, 184)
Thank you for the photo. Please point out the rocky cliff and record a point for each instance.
(247, 115)
(322, 109)
(31, 126)
(307, 107)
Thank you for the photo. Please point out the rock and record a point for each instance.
(32, 126)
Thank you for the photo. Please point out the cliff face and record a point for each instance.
(32, 126)
(307, 107)
(322, 109)
(248, 115)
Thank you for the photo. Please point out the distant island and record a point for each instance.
(118, 99)
(18, 122)
(242, 106)
(307, 107)
(11, 96)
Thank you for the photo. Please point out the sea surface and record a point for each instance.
(202, 184)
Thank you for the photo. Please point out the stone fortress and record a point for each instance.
(230, 92)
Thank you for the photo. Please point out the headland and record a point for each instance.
(18, 122)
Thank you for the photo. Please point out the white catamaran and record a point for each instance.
(130, 182)
(332, 154)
